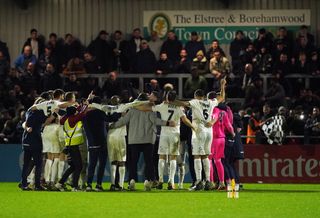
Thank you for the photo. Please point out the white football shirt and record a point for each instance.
(169, 112)
(202, 112)
(48, 107)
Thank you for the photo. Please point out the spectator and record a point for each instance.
(267, 113)
(30, 79)
(194, 45)
(314, 64)
(164, 65)
(72, 48)
(253, 129)
(282, 36)
(219, 65)
(201, 63)
(51, 80)
(155, 44)
(145, 60)
(4, 67)
(91, 65)
(282, 68)
(302, 46)
(91, 84)
(56, 50)
(312, 127)
(264, 39)
(308, 100)
(183, 65)
(75, 66)
(248, 55)
(134, 45)
(247, 78)
(303, 32)
(24, 59)
(120, 52)
(112, 86)
(214, 46)
(172, 46)
(263, 61)
(295, 123)
(278, 50)
(237, 48)
(73, 84)
(45, 59)
(152, 86)
(302, 65)
(275, 95)
(5, 51)
(193, 83)
(19, 128)
(102, 50)
(36, 44)
(254, 94)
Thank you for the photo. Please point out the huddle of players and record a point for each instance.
(54, 136)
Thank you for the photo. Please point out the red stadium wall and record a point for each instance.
(280, 164)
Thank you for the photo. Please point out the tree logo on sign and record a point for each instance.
(160, 23)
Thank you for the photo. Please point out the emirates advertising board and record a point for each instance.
(280, 164)
(222, 24)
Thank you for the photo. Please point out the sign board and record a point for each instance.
(222, 24)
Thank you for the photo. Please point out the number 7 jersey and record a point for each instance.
(202, 112)
(169, 112)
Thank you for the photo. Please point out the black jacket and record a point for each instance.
(94, 124)
(144, 62)
(4, 49)
(172, 48)
(32, 140)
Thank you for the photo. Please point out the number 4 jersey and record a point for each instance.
(202, 112)
(169, 112)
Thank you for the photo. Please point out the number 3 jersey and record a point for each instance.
(202, 112)
(169, 112)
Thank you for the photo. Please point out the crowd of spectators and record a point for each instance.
(56, 63)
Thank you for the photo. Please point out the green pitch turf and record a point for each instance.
(257, 200)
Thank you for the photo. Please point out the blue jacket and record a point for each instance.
(32, 140)
(22, 61)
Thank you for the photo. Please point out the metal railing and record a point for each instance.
(180, 77)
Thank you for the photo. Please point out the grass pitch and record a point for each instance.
(257, 200)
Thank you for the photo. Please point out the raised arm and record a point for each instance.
(222, 95)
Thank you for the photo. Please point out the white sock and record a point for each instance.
(181, 171)
(161, 165)
(47, 170)
(122, 173)
(173, 167)
(198, 169)
(54, 170)
(206, 167)
(113, 173)
(31, 176)
(60, 168)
